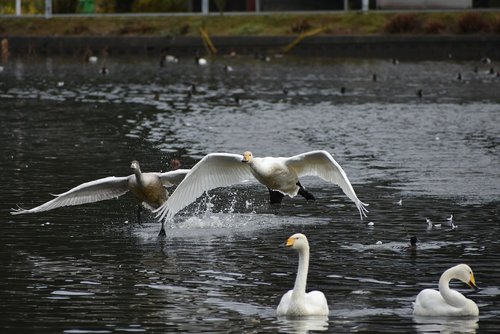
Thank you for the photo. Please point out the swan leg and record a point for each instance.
(275, 197)
(139, 209)
(162, 231)
(304, 193)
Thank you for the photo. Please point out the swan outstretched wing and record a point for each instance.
(172, 178)
(213, 171)
(322, 164)
(89, 192)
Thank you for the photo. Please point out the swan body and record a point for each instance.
(296, 302)
(447, 302)
(148, 188)
(280, 175)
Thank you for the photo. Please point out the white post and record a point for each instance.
(18, 7)
(346, 5)
(204, 7)
(365, 5)
(48, 9)
(257, 6)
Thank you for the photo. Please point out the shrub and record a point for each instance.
(403, 23)
(79, 29)
(184, 29)
(471, 23)
(495, 26)
(433, 27)
(133, 29)
(301, 26)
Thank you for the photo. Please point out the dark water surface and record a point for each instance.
(222, 267)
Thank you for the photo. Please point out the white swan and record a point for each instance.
(148, 188)
(297, 302)
(447, 302)
(280, 175)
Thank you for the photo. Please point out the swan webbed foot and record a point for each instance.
(304, 193)
(275, 197)
(162, 233)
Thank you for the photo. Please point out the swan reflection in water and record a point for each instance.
(444, 325)
(303, 324)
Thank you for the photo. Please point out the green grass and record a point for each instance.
(354, 23)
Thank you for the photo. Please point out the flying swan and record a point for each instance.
(447, 302)
(148, 188)
(297, 302)
(279, 175)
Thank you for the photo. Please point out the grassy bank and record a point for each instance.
(261, 25)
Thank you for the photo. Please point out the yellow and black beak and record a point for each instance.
(290, 242)
(247, 156)
(472, 282)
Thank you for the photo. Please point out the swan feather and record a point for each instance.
(322, 165)
(94, 191)
(213, 171)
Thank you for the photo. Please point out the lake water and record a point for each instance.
(222, 267)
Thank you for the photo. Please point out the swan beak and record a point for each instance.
(290, 242)
(472, 282)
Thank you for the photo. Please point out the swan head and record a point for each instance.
(298, 241)
(135, 165)
(247, 156)
(464, 273)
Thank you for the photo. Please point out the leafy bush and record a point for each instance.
(301, 26)
(495, 26)
(471, 23)
(403, 23)
(434, 27)
(135, 29)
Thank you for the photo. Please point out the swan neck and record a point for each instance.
(138, 175)
(452, 297)
(299, 289)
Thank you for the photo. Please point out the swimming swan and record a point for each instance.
(148, 188)
(297, 302)
(447, 302)
(280, 175)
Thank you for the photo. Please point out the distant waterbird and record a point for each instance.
(148, 188)
(92, 59)
(413, 242)
(431, 225)
(486, 60)
(201, 61)
(166, 59)
(104, 70)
